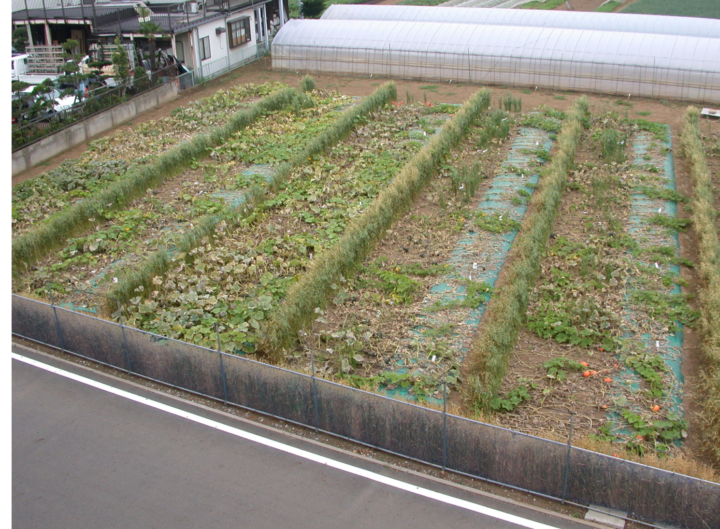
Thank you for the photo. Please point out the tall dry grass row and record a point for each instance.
(490, 351)
(316, 286)
(159, 263)
(708, 267)
(53, 232)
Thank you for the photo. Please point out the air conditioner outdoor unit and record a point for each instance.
(192, 7)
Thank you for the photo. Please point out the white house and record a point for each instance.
(207, 36)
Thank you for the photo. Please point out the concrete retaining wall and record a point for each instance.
(54, 144)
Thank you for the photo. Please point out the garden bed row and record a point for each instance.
(602, 339)
(109, 158)
(122, 239)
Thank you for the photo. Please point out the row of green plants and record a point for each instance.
(206, 188)
(160, 262)
(315, 288)
(109, 158)
(708, 267)
(384, 306)
(489, 355)
(238, 277)
(49, 235)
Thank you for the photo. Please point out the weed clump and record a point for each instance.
(613, 146)
(708, 266)
(307, 84)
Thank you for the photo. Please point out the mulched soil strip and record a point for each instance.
(646, 235)
(478, 256)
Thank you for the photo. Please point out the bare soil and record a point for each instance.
(660, 111)
(581, 5)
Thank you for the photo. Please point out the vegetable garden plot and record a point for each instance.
(236, 279)
(109, 158)
(402, 323)
(603, 318)
(92, 263)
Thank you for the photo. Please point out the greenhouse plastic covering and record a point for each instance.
(641, 64)
(665, 25)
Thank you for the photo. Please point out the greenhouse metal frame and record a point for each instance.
(625, 63)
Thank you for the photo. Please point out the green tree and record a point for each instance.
(20, 38)
(71, 67)
(121, 62)
(313, 8)
(150, 30)
(20, 100)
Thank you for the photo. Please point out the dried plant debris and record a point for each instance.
(607, 301)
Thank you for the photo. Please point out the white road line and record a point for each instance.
(522, 522)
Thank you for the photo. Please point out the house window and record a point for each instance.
(204, 48)
(239, 32)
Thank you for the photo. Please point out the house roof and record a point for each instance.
(122, 18)
(177, 22)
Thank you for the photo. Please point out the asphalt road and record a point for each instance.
(84, 457)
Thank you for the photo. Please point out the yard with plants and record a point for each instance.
(523, 261)
(602, 337)
(686, 8)
(110, 157)
(90, 264)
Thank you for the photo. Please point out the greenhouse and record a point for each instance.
(664, 25)
(612, 62)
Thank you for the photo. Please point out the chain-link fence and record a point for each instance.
(235, 59)
(462, 445)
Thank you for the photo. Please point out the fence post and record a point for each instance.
(315, 406)
(567, 459)
(444, 424)
(57, 320)
(222, 364)
(128, 366)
